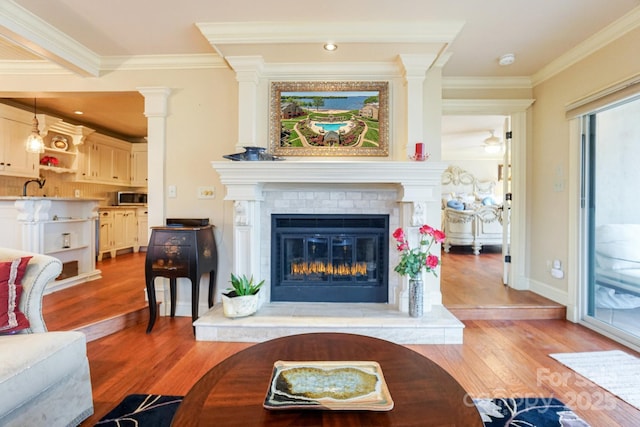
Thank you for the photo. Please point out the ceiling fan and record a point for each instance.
(492, 144)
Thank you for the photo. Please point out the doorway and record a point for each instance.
(507, 297)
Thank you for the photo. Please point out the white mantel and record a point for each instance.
(420, 181)
(418, 201)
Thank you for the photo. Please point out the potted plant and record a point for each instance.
(242, 298)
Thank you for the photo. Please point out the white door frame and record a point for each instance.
(518, 111)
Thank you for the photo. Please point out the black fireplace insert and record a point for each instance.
(329, 258)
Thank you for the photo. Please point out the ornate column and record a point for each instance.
(247, 200)
(415, 71)
(155, 109)
(419, 205)
(248, 71)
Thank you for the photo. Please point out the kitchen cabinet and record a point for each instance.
(125, 228)
(142, 214)
(139, 168)
(15, 127)
(105, 231)
(119, 229)
(105, 160)
(40, 224)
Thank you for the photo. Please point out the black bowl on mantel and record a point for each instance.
(252, 154)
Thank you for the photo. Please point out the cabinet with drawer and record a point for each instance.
(118, 231)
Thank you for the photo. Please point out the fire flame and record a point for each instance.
(319, 267)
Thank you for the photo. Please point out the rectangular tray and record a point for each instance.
(335, 385)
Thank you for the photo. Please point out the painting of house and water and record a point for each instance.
(329, 118)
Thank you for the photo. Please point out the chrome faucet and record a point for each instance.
(40, 182)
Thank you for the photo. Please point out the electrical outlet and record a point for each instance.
(206, 192)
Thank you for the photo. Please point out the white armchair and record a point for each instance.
(44, 376)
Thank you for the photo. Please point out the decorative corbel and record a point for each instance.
(241, 212)
(418, 217)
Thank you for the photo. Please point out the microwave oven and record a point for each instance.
(128, 198)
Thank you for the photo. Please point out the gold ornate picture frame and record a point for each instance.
(329, 118)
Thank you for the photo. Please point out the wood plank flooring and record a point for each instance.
(472, 289)
(498, 358)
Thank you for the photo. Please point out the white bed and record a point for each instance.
(471, 211)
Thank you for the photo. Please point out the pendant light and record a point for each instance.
(35, 143)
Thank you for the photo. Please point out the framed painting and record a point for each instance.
(329, 118)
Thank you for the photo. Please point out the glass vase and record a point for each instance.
(416, 297)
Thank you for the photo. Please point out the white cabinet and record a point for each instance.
(142, 214)
(95, 163)
(40, 226)
(119, 229)
(121, 165)
(139, 168)
(15, 127)
(105, 232)
(105, 160)
(125, 228)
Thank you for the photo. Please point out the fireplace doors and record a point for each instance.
(329, 258)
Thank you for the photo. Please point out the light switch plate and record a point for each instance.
(172, 191)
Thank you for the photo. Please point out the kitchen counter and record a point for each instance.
(63, 227)
(123, 207)
(62, 199)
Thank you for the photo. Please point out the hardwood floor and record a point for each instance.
(472, 289)
(498, 357)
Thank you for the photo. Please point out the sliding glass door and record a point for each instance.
(611, 208)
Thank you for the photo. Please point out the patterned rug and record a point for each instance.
(142, 410)
(527, 412)
(615, 371)
(152, 410)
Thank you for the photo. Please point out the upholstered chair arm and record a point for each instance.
(41, 270)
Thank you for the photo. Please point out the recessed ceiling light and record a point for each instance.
(330, 46)
(78, 112)
(507, 59)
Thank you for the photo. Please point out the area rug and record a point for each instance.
(152, 410)
(615, 371)
(142, 410)
(529, 412)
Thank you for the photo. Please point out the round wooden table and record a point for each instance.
(232, 393)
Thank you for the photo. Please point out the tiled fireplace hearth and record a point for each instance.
(407, 192)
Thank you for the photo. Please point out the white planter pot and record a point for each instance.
(239, 306)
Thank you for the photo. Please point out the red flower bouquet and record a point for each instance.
(49, 161)
(414, 261)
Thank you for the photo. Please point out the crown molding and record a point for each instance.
(331, 71)
(38, 67)
(351, 32)
(609, 34)
(165, 62)
(485, 106)
(487, 83)
(42, 39)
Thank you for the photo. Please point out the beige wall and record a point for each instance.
(201, 127)
(549, 160)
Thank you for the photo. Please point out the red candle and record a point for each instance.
(419, 151)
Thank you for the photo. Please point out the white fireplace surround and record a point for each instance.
(414, 185)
